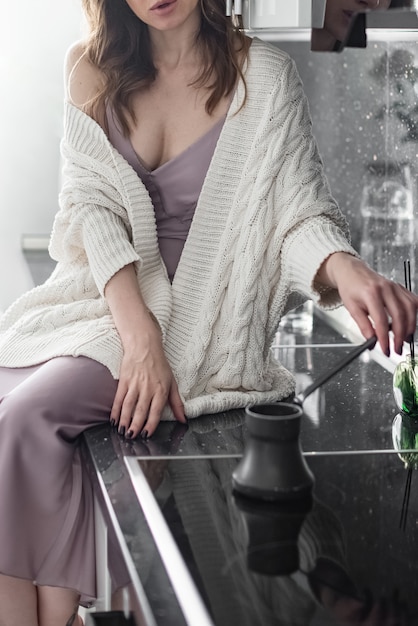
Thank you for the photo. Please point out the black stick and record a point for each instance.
(405, 503)
(408, 285)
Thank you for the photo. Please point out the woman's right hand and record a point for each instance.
(373, 301)
(146, 386)
(146, 382)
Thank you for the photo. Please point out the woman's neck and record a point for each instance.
(175, 48)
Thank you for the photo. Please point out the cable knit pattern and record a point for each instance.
(264, 223)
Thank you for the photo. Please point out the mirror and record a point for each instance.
(345, 22)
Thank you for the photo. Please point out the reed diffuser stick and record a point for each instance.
(408, 285)
(405, 503)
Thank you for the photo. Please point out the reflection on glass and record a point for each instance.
(343, 25)
(240, 552)
(405, 442)
(405, 439)
(272, 530)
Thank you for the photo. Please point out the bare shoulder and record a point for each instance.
(82, 80)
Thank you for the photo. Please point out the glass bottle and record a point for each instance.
(405, 386)
(387, 238)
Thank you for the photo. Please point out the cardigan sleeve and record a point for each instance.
(305, 250)
(314, 225)
(95, 236)
(92, 225)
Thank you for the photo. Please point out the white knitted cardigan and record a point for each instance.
(264, 223)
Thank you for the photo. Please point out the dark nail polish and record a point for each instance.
(130, 434)
(112, 423)
(144, 434)
(122, 430)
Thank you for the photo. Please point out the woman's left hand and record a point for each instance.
(372, 300)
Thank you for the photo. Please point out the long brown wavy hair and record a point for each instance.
(118, 44)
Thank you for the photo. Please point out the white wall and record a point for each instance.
(34, 36)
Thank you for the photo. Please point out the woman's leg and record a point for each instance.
(18, 597)
(56, 606)
(18, 602)
(46, 517)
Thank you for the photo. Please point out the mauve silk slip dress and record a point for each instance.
(46, 499)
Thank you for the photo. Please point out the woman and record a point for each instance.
(194, 213)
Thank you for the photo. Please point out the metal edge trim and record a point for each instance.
(377, 452)
(199, 457)
(142, 598)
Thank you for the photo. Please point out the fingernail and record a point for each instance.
(144, 434)
(122, 430)
(130, 434)
(112, 423)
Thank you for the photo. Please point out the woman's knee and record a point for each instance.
(65, 392)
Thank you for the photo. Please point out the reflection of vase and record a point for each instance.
(405, 439)
(405, 386)
(387, 238)
(273, 529)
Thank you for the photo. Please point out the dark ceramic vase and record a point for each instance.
(273, 467)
